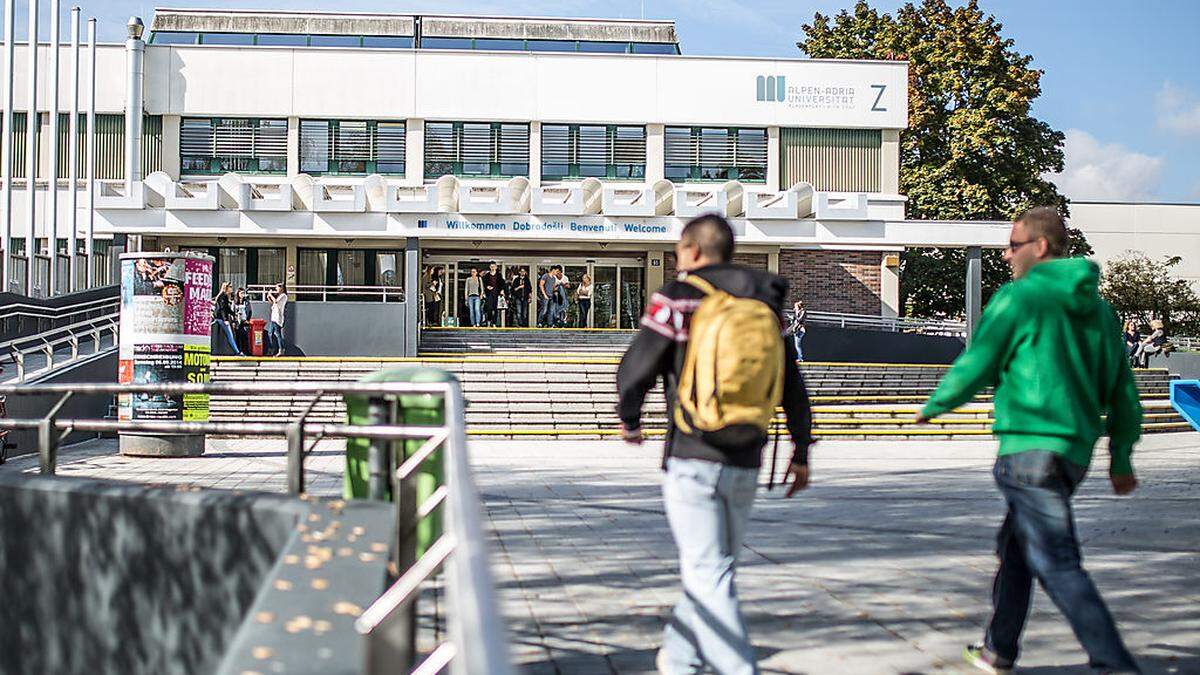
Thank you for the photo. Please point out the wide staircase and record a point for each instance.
(551, 384)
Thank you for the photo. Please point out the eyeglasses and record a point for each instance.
(1014, 246)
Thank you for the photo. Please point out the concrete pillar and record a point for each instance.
(412, 295)
(889, 284)
(414, 152)
(293, 146)
(654, 272)
(974, 289)
(535, 155)
(170, 145)
(773, 261)
(773, 170)
(889, 164)
(656, 153)
(135, 51)
(291, 258)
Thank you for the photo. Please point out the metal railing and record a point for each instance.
(900, 324)
(1185, 343)
(324, 293)
(48, 344)
(476, 641)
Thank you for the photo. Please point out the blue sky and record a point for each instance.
(1122, 80)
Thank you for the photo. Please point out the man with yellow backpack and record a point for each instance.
(715, 336)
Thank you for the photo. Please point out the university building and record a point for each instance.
(345, 154)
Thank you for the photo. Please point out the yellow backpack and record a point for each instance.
(733, 369)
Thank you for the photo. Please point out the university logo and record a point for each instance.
(770, 88)
(422, 224)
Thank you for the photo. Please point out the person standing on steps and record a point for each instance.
(519, 292)
(278, 299)
(797, 329)
(715, 435)
(493, 288)
(547, 309)
(474, 293)
(1053, 350)
(225, 316)
(583, 297)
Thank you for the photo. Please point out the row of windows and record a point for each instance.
(403, 42)
(485, 149)
(110, 145)
(253, 266)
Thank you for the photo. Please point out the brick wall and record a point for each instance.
(833, 281)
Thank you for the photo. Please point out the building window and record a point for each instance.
(488, 149)
(216, 145)
(715, 154)
(446, 43)
(172, 38)
(343, 274)
(387, 42)
(583, 150)
(655, 48)
(597, 47)
(243, 267)
(237, 39)
(280, 40)
(351, 147)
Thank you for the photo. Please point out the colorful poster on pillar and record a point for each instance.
(166, 311)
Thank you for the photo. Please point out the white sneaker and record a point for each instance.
(660, 662)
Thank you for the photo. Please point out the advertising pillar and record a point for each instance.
(166, 314)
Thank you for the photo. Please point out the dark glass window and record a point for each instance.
(583, 150)
(445, 43)
(335, 41)
(172, 38)
(227, 38)
(654, 48)
(603, 47)
(387, 42)
(552, 45)
(282, 40)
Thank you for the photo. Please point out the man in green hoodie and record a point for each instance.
(1052, 349)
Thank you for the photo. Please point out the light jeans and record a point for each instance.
(273, 340)
(708, 506)
(474, 310)
(797, 338)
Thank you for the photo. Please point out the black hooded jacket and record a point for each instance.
(659, 349)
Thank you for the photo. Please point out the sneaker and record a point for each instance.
(979, 656)
(660, 662)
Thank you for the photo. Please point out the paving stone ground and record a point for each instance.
(883, 566)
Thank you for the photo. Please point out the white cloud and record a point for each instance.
(1178, 109)
(1106, 171)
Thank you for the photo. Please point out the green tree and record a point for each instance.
(972, 150)
(1141, 288)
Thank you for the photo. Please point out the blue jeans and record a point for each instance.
(229, 337)
(547, 311)
(273, 340)
(1038, 541)
(708, 505)
(474, 310)
(797, 338)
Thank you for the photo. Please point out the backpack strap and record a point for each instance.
(701, 283)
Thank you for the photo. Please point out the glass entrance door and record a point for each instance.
(633, 291)
(604, 296)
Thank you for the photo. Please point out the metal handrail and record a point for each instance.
(1185, 343)
(47, 342)
(383, 293)
(476, 642)
(886, 323)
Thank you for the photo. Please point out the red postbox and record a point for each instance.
(258, 335)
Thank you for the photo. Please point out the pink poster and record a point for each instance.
(197, 288)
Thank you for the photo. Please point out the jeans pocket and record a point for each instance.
(1032, 468)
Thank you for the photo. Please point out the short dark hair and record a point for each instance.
(1045, 222)
(712, 233)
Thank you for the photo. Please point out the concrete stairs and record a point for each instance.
(545, 396)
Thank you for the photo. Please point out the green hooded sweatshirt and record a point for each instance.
(1054, 353)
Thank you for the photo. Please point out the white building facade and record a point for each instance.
(335, 151)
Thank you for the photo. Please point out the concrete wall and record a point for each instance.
(121, 578)
(1115, 229)
(339, 329)
(829, 343)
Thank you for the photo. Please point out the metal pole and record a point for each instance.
(974, 289)
(52, 194)
(47, 435)
(90, 154)
(31, 134)
(6, 144)
(134, 50)
(73, 154)
(379, 458)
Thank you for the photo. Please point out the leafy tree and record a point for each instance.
(972, 150)
(1141, 288)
